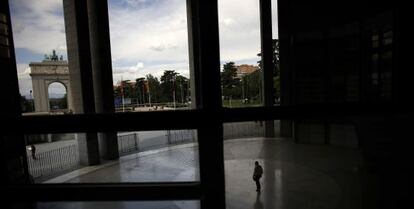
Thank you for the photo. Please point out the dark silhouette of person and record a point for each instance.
(33, 149)
(257, 174)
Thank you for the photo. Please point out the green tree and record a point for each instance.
(230, 83)
(276, 68)
(182, 85)
(127, 89)
(124, 89)
(252, 84)
(63, 102)
(275, 58)
(154, 88)
(140, 90)
(168, 86)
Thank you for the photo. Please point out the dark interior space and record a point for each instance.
(345, 112)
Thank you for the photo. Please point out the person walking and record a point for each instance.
(33, 149)
(257, 174)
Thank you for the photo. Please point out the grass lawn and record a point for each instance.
(238, 103)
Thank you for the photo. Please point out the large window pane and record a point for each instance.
(149, 42)
(41, 54)
(146, 156)
(276, 60)
(239, 50)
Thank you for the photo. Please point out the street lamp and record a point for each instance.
(182, 93)
(31, 101)
(243, 96)
(174, 79)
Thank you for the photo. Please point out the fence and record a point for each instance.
(132, 142)
(53, 161)
(66, 157)
(128, 143)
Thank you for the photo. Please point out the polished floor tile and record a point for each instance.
(295, 175)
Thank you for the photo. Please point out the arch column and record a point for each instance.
(40, 94)
(43, 74)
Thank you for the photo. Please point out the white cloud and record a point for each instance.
(24, 79)
(157, 70)
(161, 46)
(38, 25)
(23, 70)
(151, 33)
(226, 21)
(128, 69)
(137, 3)
(239, 25)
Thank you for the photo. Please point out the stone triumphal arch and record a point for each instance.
(45, 73)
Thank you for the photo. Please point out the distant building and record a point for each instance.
(243, 70)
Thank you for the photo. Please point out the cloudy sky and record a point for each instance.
(147, 36)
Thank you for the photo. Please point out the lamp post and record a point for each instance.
(31, 101)
(182, 93)
(243, 96)
(174, 91)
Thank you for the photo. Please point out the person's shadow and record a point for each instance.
(258, 204)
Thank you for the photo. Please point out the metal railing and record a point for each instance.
(53, 161)
(128, 142)
(132, 142)
(66, 157)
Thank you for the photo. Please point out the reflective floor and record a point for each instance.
(295, 175)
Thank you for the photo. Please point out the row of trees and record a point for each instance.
(149, 89)
(246, 87)
(249, 87)
(27, 105)
(174, 87)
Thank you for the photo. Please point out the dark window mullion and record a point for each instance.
(84, 55)
(267, 60)
(186, 119)
(206, 94)
(267, 51)
(312, 111)
(12, 147)
(104, 192)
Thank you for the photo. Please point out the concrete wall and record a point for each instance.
(318, 132)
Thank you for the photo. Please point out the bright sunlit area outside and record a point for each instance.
(240, 51)
(150, 68)
(149, 42)
(150, 58)
(40, 47)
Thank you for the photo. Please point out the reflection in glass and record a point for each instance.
(146, 156)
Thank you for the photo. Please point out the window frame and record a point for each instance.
(204, 55)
